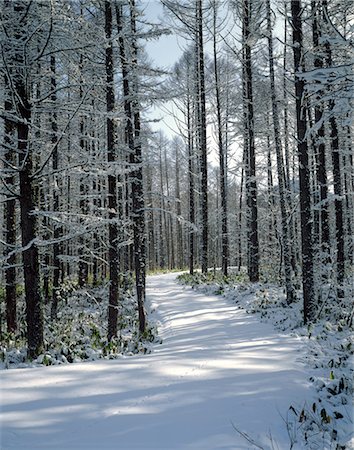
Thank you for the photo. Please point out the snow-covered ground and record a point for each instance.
(218, 373)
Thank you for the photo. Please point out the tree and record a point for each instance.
(202, 136)
(290, 294)
(304, 170)
(179, 237)
(18, 17)
(320, 150)
(222, 154)
(10, 211)
(113, 255)
(138, 201)
(249, 143)
(337, 177)
(132, 132)
(55, 166)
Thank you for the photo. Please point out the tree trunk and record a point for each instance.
(240, 208)
(222, 159)
(349, 188)
(150, 221)
(83, 266)
(21, 83)
(132, 131)
(138, 206)
(113, 255)
(10, 217)
(304, 172)
(180, 262)
(337, 180)
(202, 138)
(34, 313)
(169, 224)
(290, 294)
(250, 171)
(55, 165)
(191, 185)
(165, 248)
(292, 222)
(321, 173)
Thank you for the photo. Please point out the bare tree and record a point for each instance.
(290, 294)
(202, 134)
(10, 210)
(113, 255)
(304, 170)
(250, 169)
(222, 153)
(132, 130)
(19, 14)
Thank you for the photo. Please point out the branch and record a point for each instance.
(248, 438)
(35, 175)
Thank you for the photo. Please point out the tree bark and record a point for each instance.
(138, 204)
(222, 158)
(337, 177)
(180, 261)
(55, 165)
(16, 39)
(292, 223)
(290, 294)
(191, 183)
(83, 266)
(113, 254)
(250, 170)
(132, 131)
(321, 172)
(202, 138)
(304, 172)
(10, 216)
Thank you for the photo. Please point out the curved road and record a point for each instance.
(217, 369)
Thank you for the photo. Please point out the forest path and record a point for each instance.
(217, 368)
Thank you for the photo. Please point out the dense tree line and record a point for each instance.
(259, 175)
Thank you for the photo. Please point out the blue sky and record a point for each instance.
(166, 50)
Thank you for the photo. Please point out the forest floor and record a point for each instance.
(220, 379)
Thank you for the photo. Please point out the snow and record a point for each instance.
(217, 370)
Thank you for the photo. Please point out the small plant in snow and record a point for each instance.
(79, 332)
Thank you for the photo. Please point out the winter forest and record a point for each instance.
(232, 169)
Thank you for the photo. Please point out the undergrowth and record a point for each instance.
(79, 333)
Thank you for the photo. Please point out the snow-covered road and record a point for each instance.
(217, 368)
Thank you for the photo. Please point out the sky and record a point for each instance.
(163, 52)
(166, 50)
